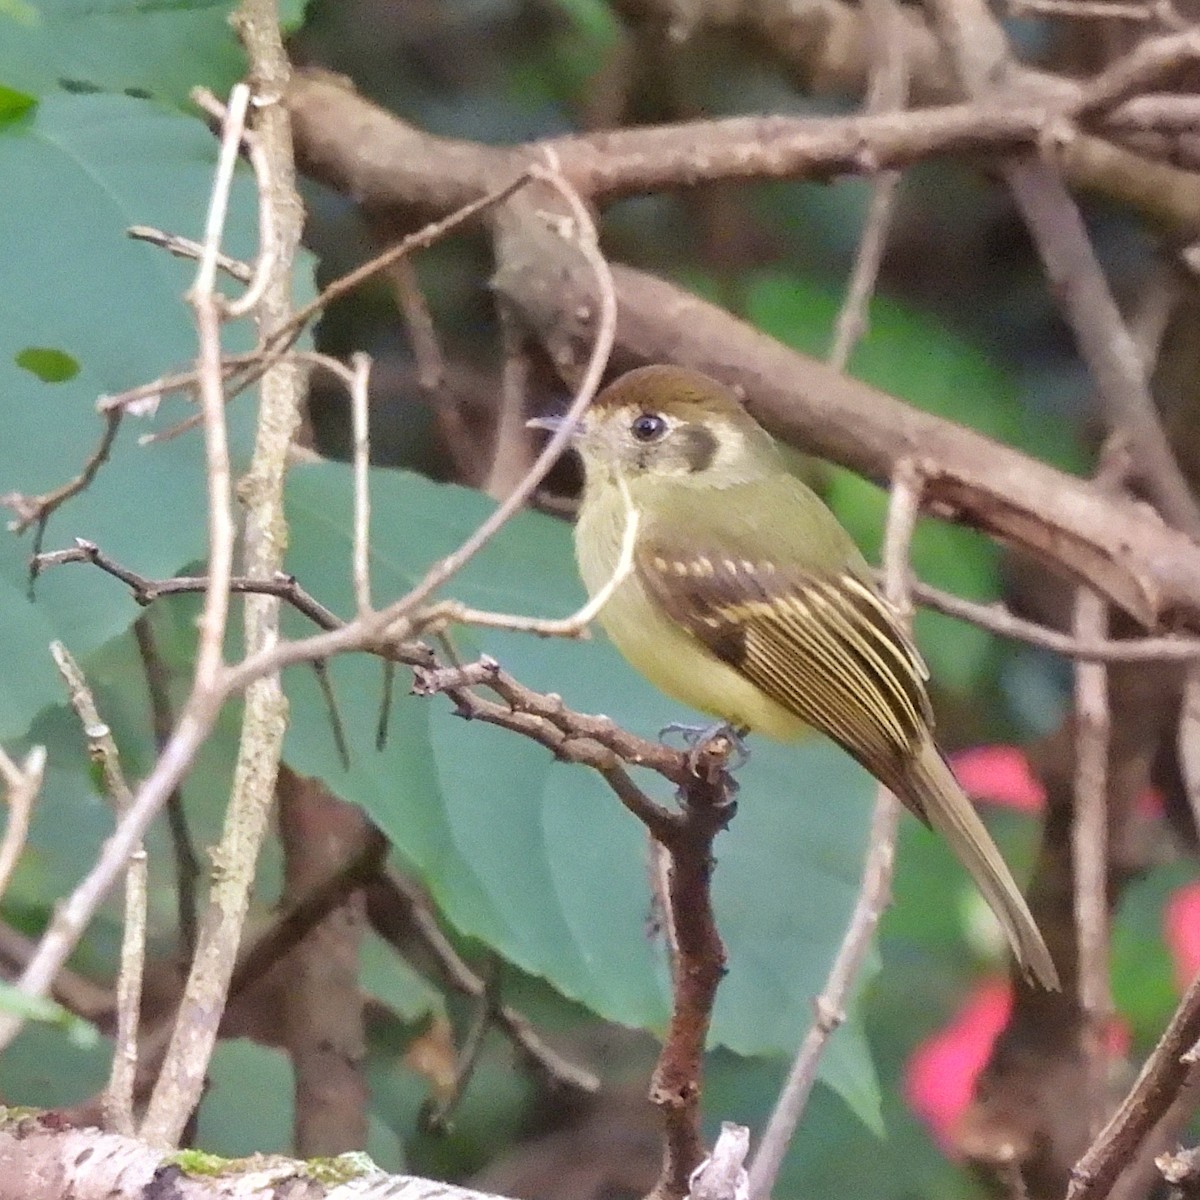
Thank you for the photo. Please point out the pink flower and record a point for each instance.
(940, 1078)
(1002, 775)
(941, 1073)
(1181, 928)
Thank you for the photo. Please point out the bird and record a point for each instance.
(747, 600)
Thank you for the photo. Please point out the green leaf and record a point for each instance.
(46, 1070)
(14, 104)
(81, 1033)
(160, 50)
(48, 364)
(77, 172)
(537, 858)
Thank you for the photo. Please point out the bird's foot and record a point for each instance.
(698, 737)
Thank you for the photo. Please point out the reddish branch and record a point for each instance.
(686, 835)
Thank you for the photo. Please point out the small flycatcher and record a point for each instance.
(750, 602)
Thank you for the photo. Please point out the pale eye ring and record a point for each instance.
(648, 427)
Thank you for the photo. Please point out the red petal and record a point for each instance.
(939, 1081)
(941, 1073)
(1000, 774)
(1181, 928)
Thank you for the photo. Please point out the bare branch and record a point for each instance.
(361, 424)
(102, 749)
(1159, 1081)
(1089, 847)
(400, 914)
(21, 785)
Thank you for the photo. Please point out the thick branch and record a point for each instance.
(46, 1163)
(1117, 545)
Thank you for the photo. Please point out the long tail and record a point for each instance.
(935, 793)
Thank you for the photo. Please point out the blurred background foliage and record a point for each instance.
(539, 876)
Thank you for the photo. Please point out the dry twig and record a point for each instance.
(1089, 849)
(102, 749)
(21, 785)
(1162, 1075)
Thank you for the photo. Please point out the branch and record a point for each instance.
(697, 963)
(47, 1162)
(102, 749)
(1162, 1075)
(993, 617)
(1090, 855)
(400, 915)
(186, 1062)
(1115, 544)
(21, 786)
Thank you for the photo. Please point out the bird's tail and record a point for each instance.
(933, 790)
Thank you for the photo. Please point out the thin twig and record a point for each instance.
(1084, 9)
(564, 627)
(1188, 742)
(993, 617)
(37, 510)
(21, 787)
(102, 750)
(422, 335)
(888, 91)
(1089, 850)
(202, 297)
(187, 861)
(268, 239)
(586, 240)
(874, 891)
(1105, 343)
(1162, 1075)
(251, 366)
(398, 912)
(997, 619)
(147, 591)
(510, 437)
(361, 424)
(182, 247)
(436, 1116)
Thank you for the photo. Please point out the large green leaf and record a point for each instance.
(161, 50)
(537, 858)
(77, 171)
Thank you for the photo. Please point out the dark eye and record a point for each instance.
(648, 427)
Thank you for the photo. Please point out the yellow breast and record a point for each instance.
(667, 655)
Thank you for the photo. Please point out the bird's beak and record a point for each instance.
(549, 424)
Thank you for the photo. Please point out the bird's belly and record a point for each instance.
(677, 664)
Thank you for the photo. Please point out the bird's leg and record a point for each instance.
(696, 737)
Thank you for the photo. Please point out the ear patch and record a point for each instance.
(698, 444)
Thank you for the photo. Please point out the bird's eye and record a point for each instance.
(648, 427)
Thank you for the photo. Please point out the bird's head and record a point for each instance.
(670, 423)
